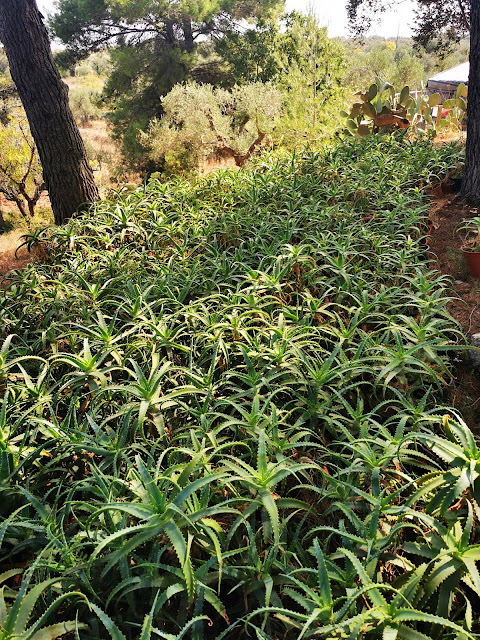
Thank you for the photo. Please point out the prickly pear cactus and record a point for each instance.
(380, 109)
(454, 110)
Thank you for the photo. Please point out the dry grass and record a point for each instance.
(10, 241)
(10, 258)
(214, 163)
(105, 157)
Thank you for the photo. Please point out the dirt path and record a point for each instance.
(9, 243)
(446, 256)
(464, 390)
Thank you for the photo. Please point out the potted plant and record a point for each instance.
(471, 244)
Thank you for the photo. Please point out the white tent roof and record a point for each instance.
(454, 76)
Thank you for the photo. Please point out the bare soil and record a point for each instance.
(11, 258)
(445, 255)
(214, 163)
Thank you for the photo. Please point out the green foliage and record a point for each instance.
(84, 104)
(200, 121)
(86, 25)
(471, 233)
(381, 109)
(312, 70)
(97, 64)
(399, 62)
(462, 456)
(220, 411)
(456, 110)
(21, 180)
(8, 91)
(155, 48)
(16, 619)
(438, 25)
(400, 65)
(251, 55)
(304, 64)
(141, 77)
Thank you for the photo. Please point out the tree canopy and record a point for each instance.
(201, 121)
(155, 43)
(86, 25)
(438, 22)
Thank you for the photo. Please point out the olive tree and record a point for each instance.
(201, 121)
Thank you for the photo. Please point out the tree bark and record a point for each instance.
(67, 174)
(470, 191)
(188, 36)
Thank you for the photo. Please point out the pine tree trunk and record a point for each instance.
(188, 36)
(67, 174)
(470, 191)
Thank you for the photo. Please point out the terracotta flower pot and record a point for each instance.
(472, 258)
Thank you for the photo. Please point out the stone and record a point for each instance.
(473, 354)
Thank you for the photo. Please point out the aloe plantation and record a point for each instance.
(223, 416)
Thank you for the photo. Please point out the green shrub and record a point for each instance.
(201, 121)
(84, 103)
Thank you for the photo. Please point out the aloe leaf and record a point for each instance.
(146, 530)
(181, 549)
(442, 570)
(473, 572)
(407, 633)
(107, 622)
(147, 627)
(305, 601)
(271, 508)
(6, 575)
(216, 603)
(3, 608)
(262, 464)
(145, 533)
(315, 614)
(188, 626)
(323, 579)
(156, 497)
(446, 595)
(192, 487)
(377, 599)
(409, 590)
(390, 633)
(472, 553)
(57, 630)
(409, 615)
(22, 608)
(456, 486)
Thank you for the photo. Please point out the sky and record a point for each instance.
(332, 14)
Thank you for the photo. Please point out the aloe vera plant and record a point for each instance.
(459, 480)
(18, 621)
(219, 410)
